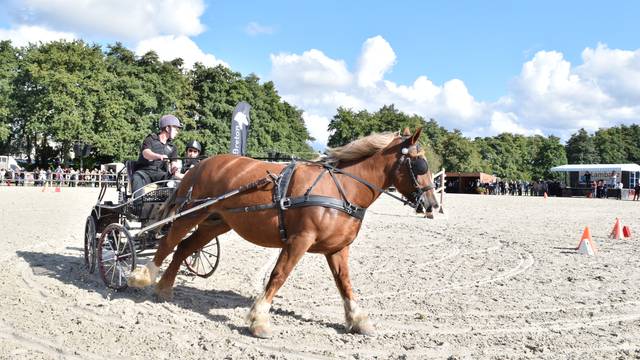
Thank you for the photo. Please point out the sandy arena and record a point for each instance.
(496, 277)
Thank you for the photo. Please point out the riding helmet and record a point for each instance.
(169, 120)
(193, 144)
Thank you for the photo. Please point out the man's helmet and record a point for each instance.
(193, 144)
(169, 120)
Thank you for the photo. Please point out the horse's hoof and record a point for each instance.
(139, 278)
(262, 331)
(363, 328)
(429, 215)
(164, 294)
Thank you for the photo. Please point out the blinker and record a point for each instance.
(419, 166)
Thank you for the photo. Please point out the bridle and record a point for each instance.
(416, 166)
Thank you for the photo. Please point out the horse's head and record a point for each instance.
(411, 174)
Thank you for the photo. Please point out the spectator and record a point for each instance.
(636, 191)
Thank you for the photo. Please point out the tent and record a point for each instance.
(579, 176)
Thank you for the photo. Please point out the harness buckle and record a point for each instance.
(285, 203)
(350, 208)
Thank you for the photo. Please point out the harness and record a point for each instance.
(282, 202)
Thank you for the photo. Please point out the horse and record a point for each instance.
(362, 171)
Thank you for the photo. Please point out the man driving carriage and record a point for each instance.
(155, 150)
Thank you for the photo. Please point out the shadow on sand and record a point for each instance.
(71, 270)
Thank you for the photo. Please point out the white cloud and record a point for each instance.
(507, 122)
(23, 35)
(552, 95)
(124, 19)
(616, 72)
(319, 85)
(312, 70)
(171, 47)
(253, 28)
(317, 126)
(376, 59)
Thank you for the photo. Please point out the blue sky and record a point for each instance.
(530, 67)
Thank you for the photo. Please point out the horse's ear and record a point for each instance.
(416, 136)
(406, 132)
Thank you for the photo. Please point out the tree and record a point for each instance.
(460, 154)
(8, 64)
(581, 149)
(549, 154)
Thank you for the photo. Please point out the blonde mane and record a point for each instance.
(362, 147)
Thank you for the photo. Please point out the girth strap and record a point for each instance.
(281, 186)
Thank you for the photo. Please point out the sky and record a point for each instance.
(483, 67)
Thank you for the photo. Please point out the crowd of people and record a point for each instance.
(508, 187)
(60, 176)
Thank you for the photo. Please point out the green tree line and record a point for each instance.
(506, 155)
(55, 95)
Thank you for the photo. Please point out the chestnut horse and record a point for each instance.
(381, 160)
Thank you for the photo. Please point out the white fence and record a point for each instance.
(93, 179)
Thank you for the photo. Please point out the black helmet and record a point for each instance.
(193, 144)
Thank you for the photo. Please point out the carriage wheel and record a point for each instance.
(116, 256)
(90, 244)
(204, 262)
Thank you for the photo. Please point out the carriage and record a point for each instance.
(117, 235)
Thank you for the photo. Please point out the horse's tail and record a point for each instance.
(168, 208)
(178, 197)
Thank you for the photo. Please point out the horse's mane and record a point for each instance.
(361, 147)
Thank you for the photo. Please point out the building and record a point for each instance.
(466, 182)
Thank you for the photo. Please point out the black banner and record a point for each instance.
(240, 129)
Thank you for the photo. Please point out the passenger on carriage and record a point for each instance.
(152, 163)
(193, 156)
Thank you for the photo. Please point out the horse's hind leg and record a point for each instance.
(205, 232)
(258, 316)
(356, 319)
(146, 275)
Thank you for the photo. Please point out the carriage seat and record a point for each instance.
(131, 169)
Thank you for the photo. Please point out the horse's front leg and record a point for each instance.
(196, 241)
(258, 317)
(357, 320)
(147, 274)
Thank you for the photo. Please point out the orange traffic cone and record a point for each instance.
(626, 231)
(586, 245)
(616, 233)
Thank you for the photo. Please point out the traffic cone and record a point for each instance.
(626, 231)
(545, 195)
(57, 188)
(586, 245)
(616, 233)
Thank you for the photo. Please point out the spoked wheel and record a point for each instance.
(90, 244)
(116, 256)
(204, 262)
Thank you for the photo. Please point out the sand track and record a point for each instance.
(494, 278)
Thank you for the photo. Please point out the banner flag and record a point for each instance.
(240, 128)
